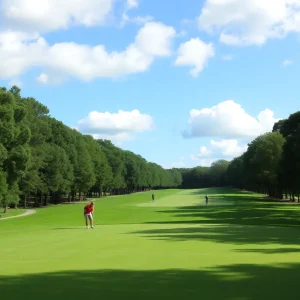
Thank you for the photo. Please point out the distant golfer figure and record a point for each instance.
(88, 214)
(206, 200)
(153, 197)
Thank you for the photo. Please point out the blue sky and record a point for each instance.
(195, 82)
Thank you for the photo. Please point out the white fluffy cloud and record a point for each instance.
(220, 149)
(20, 52)
(287, 63)
(250, 22)
(204, 153)
(195, 53)
(223, 149)
(130, 5)
(229, 148)
(228, 120)
(43, 78)
(206, 162)
(45, 15)
(115, 126)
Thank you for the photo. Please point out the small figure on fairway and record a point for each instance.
(88, 214)
(206, 200)
(153, 197)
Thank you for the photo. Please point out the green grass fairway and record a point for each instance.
(176, 248)
(11, 213)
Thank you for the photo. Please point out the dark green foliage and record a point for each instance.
(196, 178)
(14, 145)
(43, 161)
(202, 177)
(262, 162)
(271, 165)
(235, 172)
(218, 173)
(133, 173)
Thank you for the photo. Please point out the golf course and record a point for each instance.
(239, 247)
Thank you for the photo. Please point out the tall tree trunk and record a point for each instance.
(41, 198)
(35, 199)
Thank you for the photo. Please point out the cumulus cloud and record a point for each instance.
(130, 5)
(195, 53)
(20, 52)
(229, 148)
(287, 63)
(43, 78)
(219, 149)
(45, 15)
(250, 22)
(205, 162)
(228, 120)
(215, 150)
(115, 126)
(204, 153)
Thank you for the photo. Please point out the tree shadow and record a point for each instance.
(270, 251)
(227, 282)
(217, 190)
(252, 214)
(239, 235)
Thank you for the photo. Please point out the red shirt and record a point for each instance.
(88, 209)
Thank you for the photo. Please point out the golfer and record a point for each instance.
(88, 214)
(206, 200)
(153, 197)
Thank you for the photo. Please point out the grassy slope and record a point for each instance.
(238, 248)
(11, 212)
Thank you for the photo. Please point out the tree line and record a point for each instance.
(271, 165)
(44, 161)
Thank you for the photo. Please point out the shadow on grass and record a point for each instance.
(226, 234)
(252, 214)
(213, 191)
(270, 251)
(228, 282)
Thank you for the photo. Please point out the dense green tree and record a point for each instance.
(116, 159)
(289, 177)
(289, 126)
(38, 121)
(101, 168)
(14, 141)
(261, 163)
(235, 173)
(85, 177)
(218, 173)
(42, 157)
